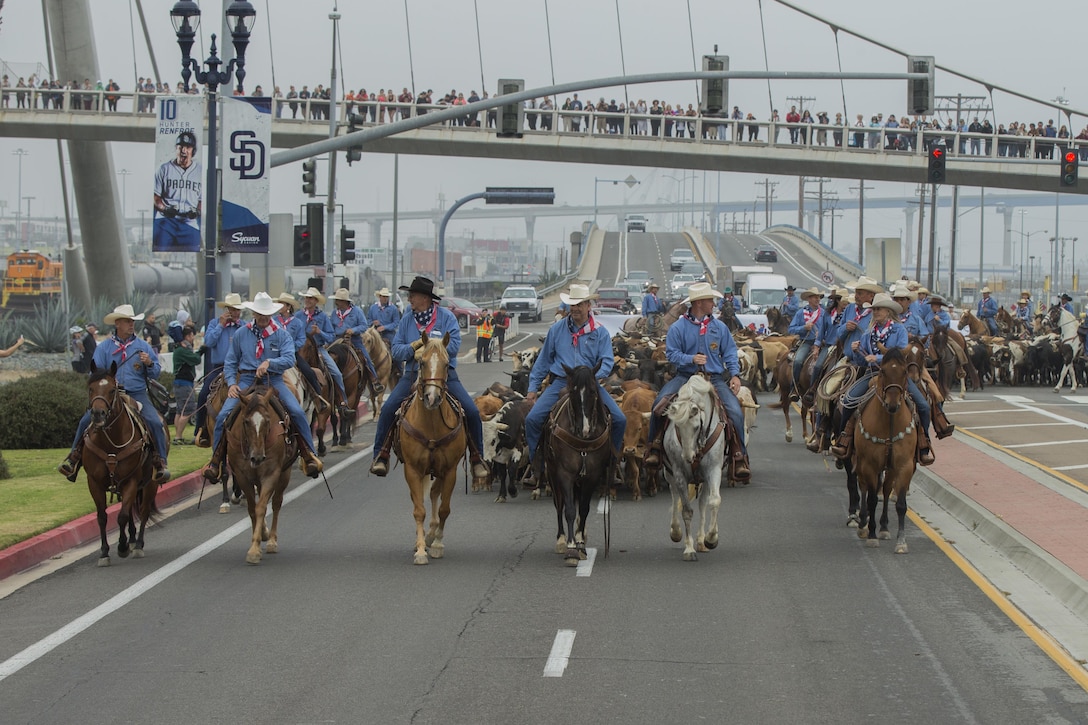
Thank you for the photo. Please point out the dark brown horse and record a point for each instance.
(356, 379)
(260, 449)
(117, 456)
(885, 445)
(328, 391)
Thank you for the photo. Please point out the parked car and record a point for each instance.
(524, 302)
(680, 257)
(466, 312)
(766, 253)
(616, 298)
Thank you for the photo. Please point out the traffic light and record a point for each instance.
(315, 221)
(1070, 164)
(512, 114)
(920, 99)
(354, 153)
(936, 164)
(347, 245)
(714, 93)
(309, 178)
(302, 247)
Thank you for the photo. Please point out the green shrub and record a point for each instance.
(42, 412)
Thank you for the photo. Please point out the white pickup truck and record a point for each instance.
(523, 302)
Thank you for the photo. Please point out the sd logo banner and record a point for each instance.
(247, 137)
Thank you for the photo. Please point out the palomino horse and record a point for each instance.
(973, 324)
(382, 358)
(577, 457)
(261, 447)
(431, 442)
(695, 443)
(885, 443)
(117, 455)
(356, 377)
(319, 421)
(1071, 349)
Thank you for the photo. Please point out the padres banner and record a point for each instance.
(179, 177)
(247, 138)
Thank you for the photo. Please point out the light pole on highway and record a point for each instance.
(631, 182)
(681, 193)
(19, 199)
(1025, 239)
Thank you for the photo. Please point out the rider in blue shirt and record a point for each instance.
(916, 327)
(940, 314)
(384, 316)
(987, 310)
(136, 362)
(217, 336)
(296, 328)
(316, 323)
(1067, 303)
(806, 324)
(920, 305)
(886, 331)
(575, 340)
(262, 351)
(699, 343)
(426, 316)
(790, 303)
(651, 306)
(350, 321)
(1023, 309)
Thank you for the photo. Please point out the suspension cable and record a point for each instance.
(479, 46)
(623, 63)
(691, 36)
(411, 64)
(842, 83)
(766, 60)
(271, 55)
(132, 35)
(548, 24)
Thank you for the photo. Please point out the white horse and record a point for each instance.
(1064, 319)
(695, 444)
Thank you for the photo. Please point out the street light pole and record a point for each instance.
(185, 16)
(631, 181)
(28, 200)
(19, 199)
(123, 173)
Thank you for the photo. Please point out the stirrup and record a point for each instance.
(380, 466)
(69, 469)
(211, 472)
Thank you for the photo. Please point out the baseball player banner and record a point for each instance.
(179, 177)
(247, 137)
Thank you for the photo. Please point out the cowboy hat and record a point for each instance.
(791, 288)
(899, 291)
(811, 292)
(883, 300)
(124, 312)
(1066, 297)
(653, 285)
(727, 291)
(840, 292)
(922, 291)
(342, 294)
(936, 300)
(232, 300)
(578, 293)
(1025, 295)
(315, 293)
(867, 284)
(422, 285)
(985, 290)
(702, 291)
(262, 304)
(287, 298)
(383, 292)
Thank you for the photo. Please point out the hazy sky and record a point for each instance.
(1009, 45)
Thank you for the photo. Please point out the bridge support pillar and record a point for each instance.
(1006, 241)
(530, 228)
(375, 232)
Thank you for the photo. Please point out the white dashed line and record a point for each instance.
(560, 655)
(585, 568)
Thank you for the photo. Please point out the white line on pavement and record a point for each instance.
(1015, 425)
(45, 646)
(560, 654)
(585, 568)
(1069, 468)
(1047, 443)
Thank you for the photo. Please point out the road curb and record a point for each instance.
(26, 554)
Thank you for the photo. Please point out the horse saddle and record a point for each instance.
(837, 381)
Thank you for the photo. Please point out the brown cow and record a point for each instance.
(636, 406)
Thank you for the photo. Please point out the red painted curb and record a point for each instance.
(32, 552)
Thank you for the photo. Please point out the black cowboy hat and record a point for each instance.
(421, 285)
(1066, 297)
(791, 288)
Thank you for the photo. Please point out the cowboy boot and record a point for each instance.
(380, 465)
(69, 468)
(741, 470)
(213, 472)
(925, 451)
(201, 439)
(311, 464)
(844, 442)
(481, 476)
(652, 461)
(162, 472)
(815, 442)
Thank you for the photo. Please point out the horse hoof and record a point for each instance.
(884, 536)
(711, 544)
(862, 533)
(123, 553)
(872, 543)
(789, 436)
(236, 500)
(901, 548)
(137, 553)
(436, 553)
(272, 547)
(701, 548)
(500, 499)
(571, 561)
(224, 508)
(675, 536)
(690, 556)
(535, 495)
(253, 558)
(561, 547)
(104, 561)
(852, 520)
(420, 559)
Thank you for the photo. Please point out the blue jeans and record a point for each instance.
(542, 408)
(799, 358)
(732, 405)
(337, 376)
(294, 409)
(401, 391)
(920, 402)
(202, 399)
(147, 412)
(991, 325)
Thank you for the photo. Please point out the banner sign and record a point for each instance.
(179, 175)
(247, 139)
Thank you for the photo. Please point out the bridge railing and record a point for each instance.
(650, 126)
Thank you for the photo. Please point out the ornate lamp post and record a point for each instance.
(185, 16)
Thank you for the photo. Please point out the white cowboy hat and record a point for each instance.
(922, 291)
(315, 293)
(840, 291)
(811, 292)
(233, 300)
(124, 312)
(342, 294)
(73, 330)
(262, 304)
(702, 291)
(985, 290)
(383, 292)
(868, 284)
(900, 291)
(287, 298)
(885, 301)
(578, 293)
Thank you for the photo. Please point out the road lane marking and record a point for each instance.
(601, 504)
(986, 412)
(1015, 425)
(1070, 468)
(1075, 399)
(1046, 443)
(585, 568)
(1014, 398)
(560, 654)
(48, 644)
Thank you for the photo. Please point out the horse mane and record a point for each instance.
(685, 406)
(894, 355)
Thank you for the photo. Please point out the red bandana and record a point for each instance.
(122, 347)
(341, 314)
(811, 315)
(590, 326)
(310, 314)
(262, 334)
(703, 323)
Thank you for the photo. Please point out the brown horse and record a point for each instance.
(328, 391)
(974, 325)
(783, 376)
(380, 355)
(356, 379)
(431, 442)
(639, 324)
(260, 449)
(884, 450)
(777, 322)
(117, 456)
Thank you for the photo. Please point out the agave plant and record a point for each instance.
(47, 328)
(9, 330)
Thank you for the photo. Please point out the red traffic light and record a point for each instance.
(1070, 157)
(936, 152)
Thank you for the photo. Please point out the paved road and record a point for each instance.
(791, 619)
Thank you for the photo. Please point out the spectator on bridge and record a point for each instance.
(776, 121)
(806, 128)
(5, 94)
(753, 128)
(546, 114)
(821, 133)
(987, 310)
(859, 135)
(792, 119)
(292, 101)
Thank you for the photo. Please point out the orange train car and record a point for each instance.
(31, 277)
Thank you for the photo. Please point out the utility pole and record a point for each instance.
(768, 196)
(330, 209)
(800, 100)
(932, 236)
(820, 209)
(861, 188)
(800, 202)
(921, 192)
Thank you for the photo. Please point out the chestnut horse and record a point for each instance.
(328, 391)
(431, 442)
(356, 378)
(885, 443)
(117, 454)
(260, 449)
(380, 355)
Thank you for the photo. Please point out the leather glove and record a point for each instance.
(192, 214)
(170, 212)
